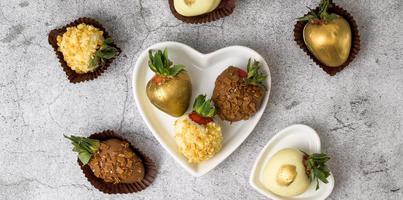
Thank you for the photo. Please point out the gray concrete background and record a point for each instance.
(358, 113)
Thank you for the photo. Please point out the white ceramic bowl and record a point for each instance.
(203, 70)
(296, 136)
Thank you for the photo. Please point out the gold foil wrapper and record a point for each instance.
(355, 42)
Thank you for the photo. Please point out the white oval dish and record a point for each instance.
(203, 70)
(296, 136)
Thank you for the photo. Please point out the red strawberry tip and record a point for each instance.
(200, 119)
(242, 73)
(159, 79)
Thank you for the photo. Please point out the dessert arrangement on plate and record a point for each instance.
(166, 79)
(238, 95)
(172, 83)
(291, 166)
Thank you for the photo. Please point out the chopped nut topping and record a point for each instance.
(234, 99)
(115, 162)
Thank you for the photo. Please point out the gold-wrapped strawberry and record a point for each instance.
(238, 94)
(170, 89)
(328, 36)
(111, 160)
(197, 135)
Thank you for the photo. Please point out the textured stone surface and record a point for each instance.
(358, 113)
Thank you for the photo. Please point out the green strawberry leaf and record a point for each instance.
(176, 69)
(105, 52)
(322, 16)
(160, 64)
(203, 107)
(85, 147)
(316, 167)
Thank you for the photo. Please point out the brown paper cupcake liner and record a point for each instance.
(121, 188)
(73, 76)
(225, 8)
(355, 46)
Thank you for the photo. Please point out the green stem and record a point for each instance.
(85, 147)
(320, 17)
(316, 167)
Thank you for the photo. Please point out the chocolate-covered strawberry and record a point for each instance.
(111, 160)
(327, 35)
(238, 94)
(197, 135)
(170, 88)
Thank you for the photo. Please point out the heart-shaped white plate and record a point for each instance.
(203, 70)
(296, 136)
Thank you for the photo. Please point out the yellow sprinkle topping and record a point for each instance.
(196, 142)
(78, 45)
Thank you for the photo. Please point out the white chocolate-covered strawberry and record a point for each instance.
(198, 137)
(195, 7)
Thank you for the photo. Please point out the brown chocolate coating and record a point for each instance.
(115, 162)
(234, 99)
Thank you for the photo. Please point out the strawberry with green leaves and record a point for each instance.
(170, 88)
(112, 160)
(203, 111)
(238, 94)
(197, 135)
(327, 35)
